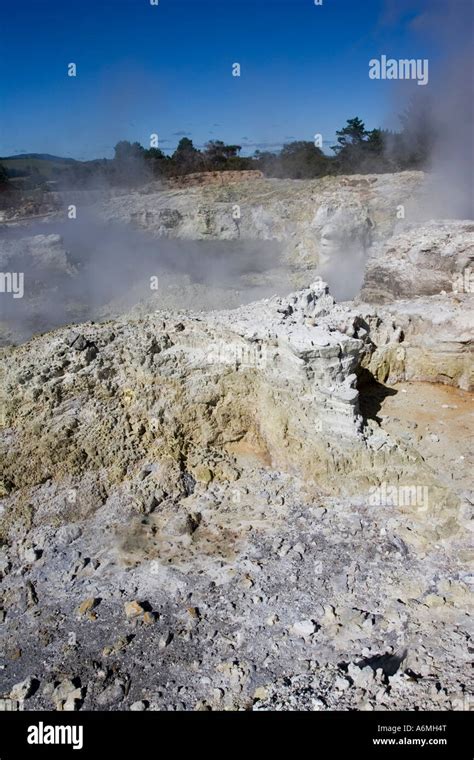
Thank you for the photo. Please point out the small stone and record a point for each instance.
(433, 600)
(121, 643)
(203, 475)
(48, 689)
(31, 595)
(24, 689)
(72, 337)
(32, 554)
(299, 548)
(110, 695)
(284, 549)
(304, 628)
(62, 692)
(139, 706)
(133, 609)
(362, 677)
(79, 342)
(165, 640)
(226, 473)
(88, 605)
(341, 684)
(73, 701)
(202, 706)
(261, 692)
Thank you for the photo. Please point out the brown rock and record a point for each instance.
(133, 609)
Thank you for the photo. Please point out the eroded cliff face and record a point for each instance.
(278, 376)
(316, 221)
(423, 329)
(259, 507)
(427, 340)
(423, 260)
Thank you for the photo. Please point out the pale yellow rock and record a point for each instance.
(432, 600)
(133, 609)
(202, 474)
(87, 605)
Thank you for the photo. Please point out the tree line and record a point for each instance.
(357, 150)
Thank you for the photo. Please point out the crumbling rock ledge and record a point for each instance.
(276, 378)
(423, 260)
(422, 339)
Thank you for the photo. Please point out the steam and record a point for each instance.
(439, 120)
(441, 115)
(451, 163)
(83, 269)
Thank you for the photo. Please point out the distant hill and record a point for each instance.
(41, 157)
(34, 167)
(30, 171)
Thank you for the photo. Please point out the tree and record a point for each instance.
(186, 157)
(127, 151)
(297, 160)
(218, 154)
(129, 163)
(375, 141)
(360, 150)
(154, 153)
(353, 133)
(160, 164)
(185, 145)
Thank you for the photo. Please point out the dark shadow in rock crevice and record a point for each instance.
(389, 663)
(371, 395)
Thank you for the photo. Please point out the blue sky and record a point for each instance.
(167, 69)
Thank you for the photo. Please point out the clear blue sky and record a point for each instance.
(167, 69)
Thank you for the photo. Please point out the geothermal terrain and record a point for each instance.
(236, 447)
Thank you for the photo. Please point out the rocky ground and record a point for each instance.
(265, 507)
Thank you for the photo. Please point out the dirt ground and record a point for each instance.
(439, 421)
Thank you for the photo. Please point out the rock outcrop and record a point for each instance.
(423, 260)
(314, 220)
(424, 339)
(212, 178)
